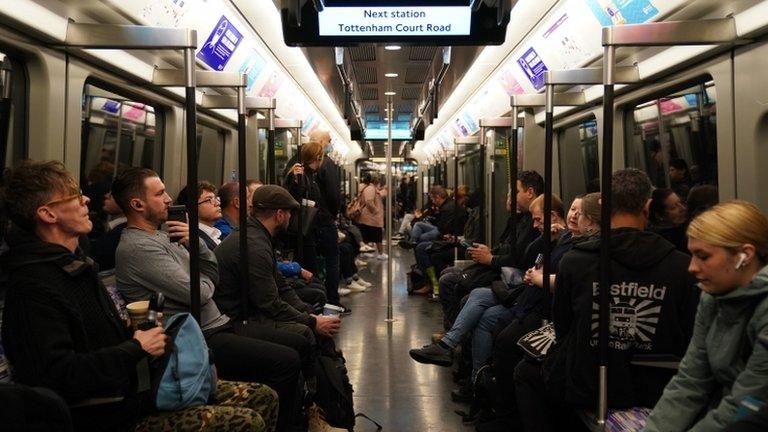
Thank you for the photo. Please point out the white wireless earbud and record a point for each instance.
(742, 259)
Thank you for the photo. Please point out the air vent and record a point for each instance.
(422, 53)
(369, 93)
(416, 74)
(371, 109)
(365, 74)
(410, 93)
(363, 53)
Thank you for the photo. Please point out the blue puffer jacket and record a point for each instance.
(726, 361)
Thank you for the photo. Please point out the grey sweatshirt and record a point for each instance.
(147, 263)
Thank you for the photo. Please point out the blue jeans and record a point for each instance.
(328, 246)
(479, 316)
(423, 231)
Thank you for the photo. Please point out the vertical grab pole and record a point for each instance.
(243, 198)
(457, 229)
(192, 192)
(299, 254)
(548, 137)
(388, 211)
(484, 207)
(606, 171)
(271, 175)
(512, 157)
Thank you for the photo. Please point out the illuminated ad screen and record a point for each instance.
(362, 19)
(379, 131)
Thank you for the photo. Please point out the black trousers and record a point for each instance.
(443, 259)
(241, 358)
(312, 293)
(290, 334)
(347, 260)
(506, 355)
(540, 410)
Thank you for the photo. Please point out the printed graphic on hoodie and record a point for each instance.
(634, 316)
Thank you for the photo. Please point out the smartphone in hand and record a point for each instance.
(539, 261)
(177, 213)
(466, 244)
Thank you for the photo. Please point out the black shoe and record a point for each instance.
(405, 244)
(433, 354)
(462, 394)
(345, 309)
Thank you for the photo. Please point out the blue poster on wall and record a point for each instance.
(618, 12)
(533, 67)
(252, 67)
(220, 45)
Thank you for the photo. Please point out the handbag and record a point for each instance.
(537, 343)
(355, 208)
(308, 215)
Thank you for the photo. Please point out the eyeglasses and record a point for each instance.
(213, 200)
(79, 195)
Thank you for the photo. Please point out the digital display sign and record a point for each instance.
(395, 21)
(431, 22)
(379, 131)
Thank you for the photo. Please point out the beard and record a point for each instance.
(284, 225)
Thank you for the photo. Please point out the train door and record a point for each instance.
(579, 163)
(470, 171)
(287, 141)
(496, 137)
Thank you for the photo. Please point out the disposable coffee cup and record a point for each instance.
(332, 310)
(138, 312)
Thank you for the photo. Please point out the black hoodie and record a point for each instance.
(653, 305)
(61, 330)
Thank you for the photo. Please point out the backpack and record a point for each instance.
(334, 391)
(355, 207)
(183, 377)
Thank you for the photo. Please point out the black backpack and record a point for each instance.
(334, 391)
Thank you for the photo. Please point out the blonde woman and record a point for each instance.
(727, 359)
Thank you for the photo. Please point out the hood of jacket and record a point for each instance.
(757, 287)
(26, 248)
(632, 248)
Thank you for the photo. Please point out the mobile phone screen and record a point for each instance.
(539, 261)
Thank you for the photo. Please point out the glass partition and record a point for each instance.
(578, 160)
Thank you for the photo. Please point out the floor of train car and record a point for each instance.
(392, 389)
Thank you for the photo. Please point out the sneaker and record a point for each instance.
(433, 354)
(360, 263)
(382, 257)
(344, 291)
(366, 248)
(317, 421)
(405, 244)
(368, 255)
(356, 287)
(346, 310)
(434, 298)
(363, 282)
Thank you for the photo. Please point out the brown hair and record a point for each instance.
(130, 184)
(732, 224)
(202, 186)
(31, 185)
(557, 204)
(590, 206)
(311, 152)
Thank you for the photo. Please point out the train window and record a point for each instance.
(674, 138)
(578, 156)
(13, 119)
(117, 133)
(210, 146)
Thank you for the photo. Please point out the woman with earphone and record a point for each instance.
(725, 369)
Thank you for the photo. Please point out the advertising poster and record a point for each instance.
(566, 43)
(272, 85)
(165, 13)
(533, 67)
(220, 45)
(252, 67)
(618, 12)
(509, 83)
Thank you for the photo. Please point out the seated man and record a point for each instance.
(208, 212)
(230, 208)
(271, 214)
(653, 300)
(444, 222)
(456, 283)
(483, 309)
(103, 248)
(61, 330)
(149, 260)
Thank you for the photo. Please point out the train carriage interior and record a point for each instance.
(436, 192)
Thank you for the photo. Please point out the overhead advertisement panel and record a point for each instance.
(395, 21)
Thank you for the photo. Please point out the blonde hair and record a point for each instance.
(557, 204)
(311, 152)
(590, 206)
(732, 224)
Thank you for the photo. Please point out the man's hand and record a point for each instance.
(327, 325)
(480, 254)
(178, 230)
(534, 276)
(306, 275)
(152, 341)
(298, 169)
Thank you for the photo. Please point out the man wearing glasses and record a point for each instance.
(208, 211)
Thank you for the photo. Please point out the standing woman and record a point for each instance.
(726, 361)
(371, 222)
